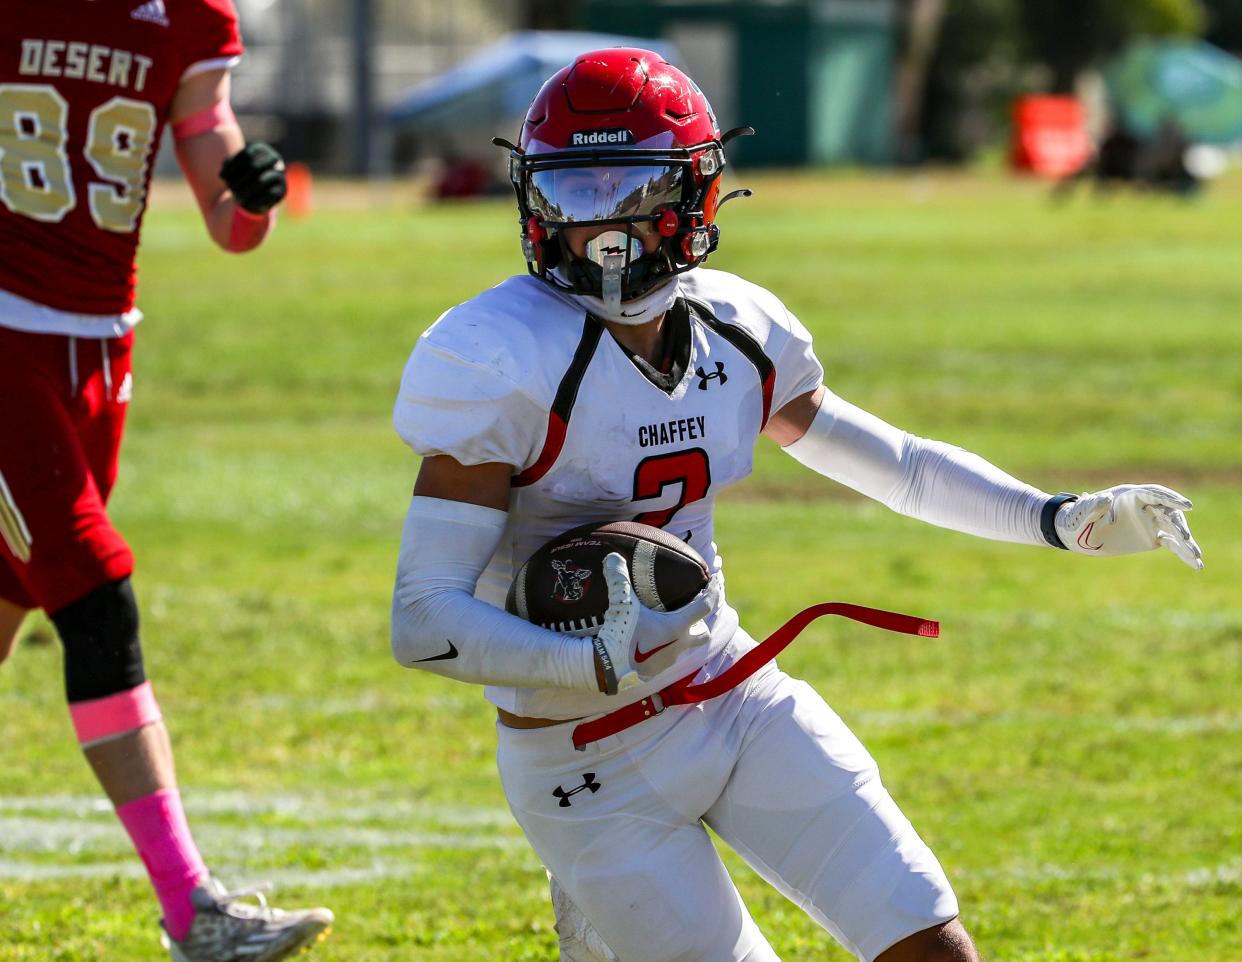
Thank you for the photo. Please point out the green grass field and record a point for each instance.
(1071, 746)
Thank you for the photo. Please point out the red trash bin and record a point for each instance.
(1049, 136)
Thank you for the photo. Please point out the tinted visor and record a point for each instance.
(580, 194)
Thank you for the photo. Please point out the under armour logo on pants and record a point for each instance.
(588, 782)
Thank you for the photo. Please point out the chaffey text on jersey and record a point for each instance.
(672, 432)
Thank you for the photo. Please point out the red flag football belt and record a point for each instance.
(682, 692)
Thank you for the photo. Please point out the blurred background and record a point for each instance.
(1146, 91)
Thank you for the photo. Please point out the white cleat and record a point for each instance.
(226, 929)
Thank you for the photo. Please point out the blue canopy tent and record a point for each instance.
(1192, 83)
(458, 112)
(500, 81)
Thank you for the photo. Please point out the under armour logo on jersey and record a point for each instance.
(588, 782)
(704, 378)
(152, 12)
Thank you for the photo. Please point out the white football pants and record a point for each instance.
(775, 773)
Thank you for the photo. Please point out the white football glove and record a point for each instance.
(1126, 519)
(636, 643)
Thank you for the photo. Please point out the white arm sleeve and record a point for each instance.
(439, 625)
(928, 480)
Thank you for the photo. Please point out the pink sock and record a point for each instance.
(157, 826)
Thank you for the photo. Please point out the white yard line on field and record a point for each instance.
(90, 835)
(1192, 880)
(344, 807)
(18, 871)
(1173, 725)
(1197, 879)
(358, 826)
(239, 824)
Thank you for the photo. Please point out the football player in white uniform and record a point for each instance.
(613, 382)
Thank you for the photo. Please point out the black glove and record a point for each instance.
(256, 176)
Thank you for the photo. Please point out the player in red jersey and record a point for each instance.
(86, 88)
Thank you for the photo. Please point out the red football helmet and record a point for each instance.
(619, 137)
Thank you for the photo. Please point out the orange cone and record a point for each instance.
(298, 198)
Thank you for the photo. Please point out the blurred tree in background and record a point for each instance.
(1225, 24)
(1070, 36)
(973, 73)
(990, 51)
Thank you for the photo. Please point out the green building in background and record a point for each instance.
(815, 78)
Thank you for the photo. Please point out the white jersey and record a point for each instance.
(521, 376)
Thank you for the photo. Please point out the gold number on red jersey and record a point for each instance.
(34, 170)
(118, 145)
(35, 177)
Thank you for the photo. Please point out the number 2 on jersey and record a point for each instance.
(36, 179)
(689, 468)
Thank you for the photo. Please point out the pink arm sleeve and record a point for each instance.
(220, 114)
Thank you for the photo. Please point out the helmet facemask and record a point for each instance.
(639, 195)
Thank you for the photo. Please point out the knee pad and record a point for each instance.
(100, 635)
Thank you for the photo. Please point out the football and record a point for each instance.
(561, 586)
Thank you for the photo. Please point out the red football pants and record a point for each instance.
(62, 413)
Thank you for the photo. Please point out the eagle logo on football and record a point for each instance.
(572, 582)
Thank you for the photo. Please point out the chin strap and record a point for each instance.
(639, 310)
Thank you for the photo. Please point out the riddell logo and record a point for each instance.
(591, 138)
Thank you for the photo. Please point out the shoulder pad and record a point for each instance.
(759, 312)
(480, 382)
